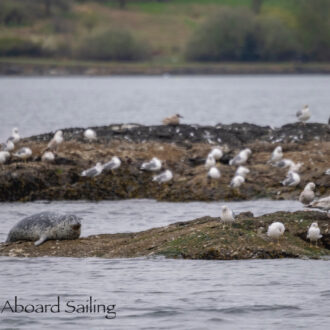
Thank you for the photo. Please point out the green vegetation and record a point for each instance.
(168, 31)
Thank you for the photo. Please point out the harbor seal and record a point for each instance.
(45, 226)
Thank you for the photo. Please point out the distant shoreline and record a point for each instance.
(53, 67)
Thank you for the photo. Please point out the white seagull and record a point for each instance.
(277, 155)
(276, 230)
(4, 155)
(93, 171)
(15, 137)
(210, 161)
(113, 164)
(214, 173)
(217, 153)
(241, 158)
(23, 153)
(314, 233)
(55, 141)
(242, 171)
(321, 203)
(304, 114)
(292, 179)
(90, 135)
(154, 165)
(227, 215)
(48, 157)
(327, 172)
(9, 145)
(237, 181)
(163, 177)
(307, 195)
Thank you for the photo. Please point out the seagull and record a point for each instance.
(210, 161)
(327, 172)
(237, 181)
(241, 158)
(214, 173)
(295, 167)
(163, 177)
(48, 157)
(277, 155)
(154, 165)
(55, 141)
(90, 135)
(304, 114)
(15, 137)
(4, 155)
(284, 163)
(216, 153)
(113, 164)
(93, 171)
(321, 203)
(227, 215)
(173, 120)
(23, 153)
(292, 179)
(314, 233)
(242, 171)
(9, 145)
(276, 230)
(307, 195)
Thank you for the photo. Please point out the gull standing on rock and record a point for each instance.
(241, 158)
(23, 153)
(55, 141)
(304, 114)
(163, 177)
(114, 163)
(307, 195)
(314, 233)
(277, 155)
(227, 215)
(154, 165)
(15, 137)
(210, 161)
(292, 179)
(4, 155)
(90, 135)
(276, 230)
(237, 181)
(242, 171)
(48, 157)
(173, 120)
(9, 145)
(214, 173)
(217, 153)
(93, 171)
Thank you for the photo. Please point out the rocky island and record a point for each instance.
(203, 238)
(182, 149)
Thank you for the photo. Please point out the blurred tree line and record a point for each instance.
(231, 34)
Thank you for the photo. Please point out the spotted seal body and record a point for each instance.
(45, 226)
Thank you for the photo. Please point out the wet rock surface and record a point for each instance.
(203, 238)
(182, 149)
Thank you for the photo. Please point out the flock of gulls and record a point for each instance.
(275, 230)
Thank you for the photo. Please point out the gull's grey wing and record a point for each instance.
(91, 172)
(299, 113)
(109, 166)
(160, 177)
(236, 159)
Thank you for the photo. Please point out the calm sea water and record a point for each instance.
(38, 105)
(162, 293)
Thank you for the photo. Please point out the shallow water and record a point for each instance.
(43, 104)
(134, 215)
(170, 294)
(160, 293)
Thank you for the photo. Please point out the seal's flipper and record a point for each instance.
(41, 240)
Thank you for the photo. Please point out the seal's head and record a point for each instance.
(70, 226)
